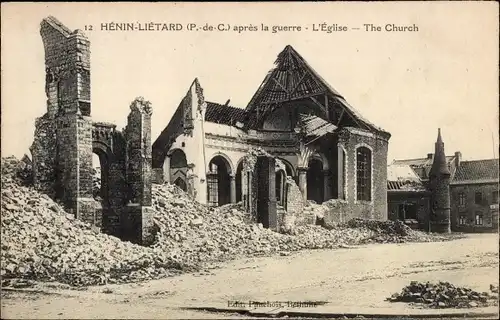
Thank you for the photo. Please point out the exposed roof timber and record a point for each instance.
(341, 116)
(298, 83)
(281, 86)
(294, 79)
(292, 99)
(319, 104)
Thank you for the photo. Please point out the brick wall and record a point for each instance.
(350, 139)
(470, 209)
(44, 155)
(294, 207)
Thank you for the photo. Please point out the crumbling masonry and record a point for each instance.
(66, 137)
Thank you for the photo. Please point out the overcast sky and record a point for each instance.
(409, 83)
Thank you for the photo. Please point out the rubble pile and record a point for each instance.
(20, 171)
(193, 233)
(445, 295)
(391, 231)
(40, 241)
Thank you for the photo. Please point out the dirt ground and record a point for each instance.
(354, 279)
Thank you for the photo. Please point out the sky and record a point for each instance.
(409, 83)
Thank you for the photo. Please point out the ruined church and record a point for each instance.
(298, 139)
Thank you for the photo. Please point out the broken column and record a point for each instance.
(137, 221)
(233, 188)
(302, 173)
(340, 173)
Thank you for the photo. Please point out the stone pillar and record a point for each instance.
(233, 188)
(327, 191)
(137, 223)
(302, 172)
(166, 169)
(340, 173)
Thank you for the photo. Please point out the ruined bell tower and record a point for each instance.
(62, 149)
(66, 137)
(439, 180)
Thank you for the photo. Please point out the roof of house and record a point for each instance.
(420, 162)
(477, 171)
(402, 178)
(224, 114)
(422, 166)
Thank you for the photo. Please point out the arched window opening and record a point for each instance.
(96, 176)
(280, 186)
(218, 182)
(315, 181)
(363, 174)
(178, 159)
(100, 168)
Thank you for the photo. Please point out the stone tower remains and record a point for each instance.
(439, 182)
(66, 138)
(62, 150)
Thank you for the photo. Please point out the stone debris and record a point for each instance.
(392, 232)
(444, 295)
(196, 234)
(40, 241)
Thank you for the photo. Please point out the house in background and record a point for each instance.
(474, 196)
(473, 190)
(407, 197)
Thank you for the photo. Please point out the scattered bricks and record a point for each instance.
(46, 243)
(442, 295)
(195, 234)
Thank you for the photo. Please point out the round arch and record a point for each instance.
(226, 160)
(290, 170)
(219, 185)
(320, 157)
(178, 158)
(105, 156)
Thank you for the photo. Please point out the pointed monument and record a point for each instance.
(440, 188)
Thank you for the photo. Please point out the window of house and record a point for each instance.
(462, 220)
(461, 199)
(488, 221)
(363, 174)
(494, 197)
(479, 219)
(478, 197)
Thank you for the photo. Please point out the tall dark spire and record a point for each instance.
(440, 165)
(440, 190)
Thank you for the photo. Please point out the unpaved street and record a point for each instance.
(355, 279)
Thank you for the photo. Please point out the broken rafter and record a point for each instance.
(294, 99)
(299, 82)
(340, 117)
(327, 108)
(278, 83)
(319, 105)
